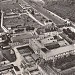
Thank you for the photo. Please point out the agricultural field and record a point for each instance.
(63, 8)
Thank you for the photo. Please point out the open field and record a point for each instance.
(63, 8)
(23, 20)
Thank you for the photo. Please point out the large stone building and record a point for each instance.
(51, 50)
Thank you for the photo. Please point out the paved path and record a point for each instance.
(5, 30)
(44, 12)
(34, 18)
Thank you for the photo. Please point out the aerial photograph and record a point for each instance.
(37, 37)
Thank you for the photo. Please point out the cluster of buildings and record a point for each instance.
(28, 60)
(29, 46)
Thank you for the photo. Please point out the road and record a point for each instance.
(35, 19)
(5, 30)
(32, 17)
(43, 11)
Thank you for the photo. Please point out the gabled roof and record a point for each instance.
(61, 50)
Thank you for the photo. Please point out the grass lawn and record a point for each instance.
(63, 8)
